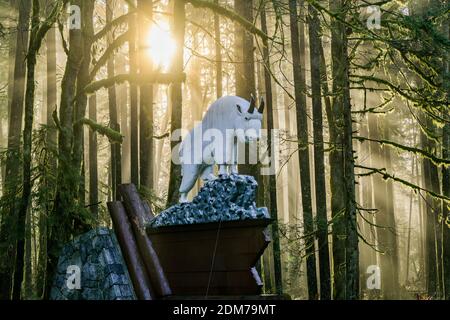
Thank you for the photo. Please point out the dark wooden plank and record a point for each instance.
(196, 253)
(221, 283)
(210, 226)
(138, 218)
(186, 254)
(127, 242)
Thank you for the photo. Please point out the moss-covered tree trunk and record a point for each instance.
(446, 211)
(445, 175)
(69, 216)
(12, 166)
(319, 165)
(38, 31)
(446, 178)
(87, 30)
(343, 208)
(51, 101)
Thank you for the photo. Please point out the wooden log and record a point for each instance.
(139, 218)
(127, 242)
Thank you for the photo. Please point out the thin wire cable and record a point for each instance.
(213, 259)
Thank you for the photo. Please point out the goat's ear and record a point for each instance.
(239, 108)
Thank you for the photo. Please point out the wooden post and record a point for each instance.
(138, 218)
(127, 242)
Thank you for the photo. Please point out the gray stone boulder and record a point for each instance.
(95, 258)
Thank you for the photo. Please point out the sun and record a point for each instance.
(161, 45)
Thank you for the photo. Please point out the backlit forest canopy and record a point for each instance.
(356, 92)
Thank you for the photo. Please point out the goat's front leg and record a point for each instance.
(223, 169)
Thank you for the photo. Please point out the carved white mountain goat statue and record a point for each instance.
(214, 140)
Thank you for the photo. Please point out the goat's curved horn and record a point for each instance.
(251, 109)
(261, 106)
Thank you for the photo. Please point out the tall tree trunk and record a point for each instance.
(93, 161)
(446, 190)
(123, 107)
(176, 99)
(245, 77)
(298, 59)
(432, 243)
(368, 255)
(446, 210)
(11, 60)
(245, 61)
(430, 221)
(28, 255)
(12, 166)
(123, 110)
(272, 186)
(391, 267)
(51, 102)
(115, 167)
(37, 34)
(446, 176)
(146, 98)
(134, 147)
(218, 54)
(87, 29)
(319, 165)
(345, 240)
(437, 228)
(292, 182)
(408, 239)
(422, 223)
(430, 266)
(160, 144)
(66, 219)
